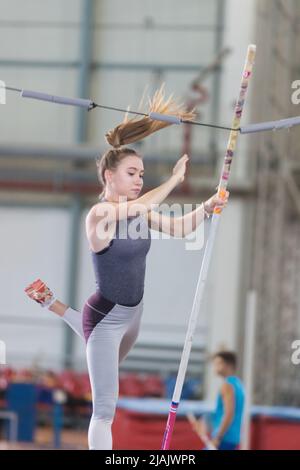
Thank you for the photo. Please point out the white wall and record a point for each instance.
(57, 39)
(170, 267)
(194, 46)
(30, 32)
(226, 276)
(34, 244)
(238, 34)
(227, 267)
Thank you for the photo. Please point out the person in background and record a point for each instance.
(227, 417)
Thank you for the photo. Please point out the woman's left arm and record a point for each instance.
(180, 227)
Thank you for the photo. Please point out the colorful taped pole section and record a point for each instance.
(247, 72)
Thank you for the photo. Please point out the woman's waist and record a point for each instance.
(108, 299)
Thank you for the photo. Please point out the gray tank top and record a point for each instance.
(120, 267)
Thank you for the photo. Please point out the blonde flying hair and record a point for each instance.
(135, 129)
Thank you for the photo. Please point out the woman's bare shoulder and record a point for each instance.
(101, 210)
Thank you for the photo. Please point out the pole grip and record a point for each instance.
(79, 102)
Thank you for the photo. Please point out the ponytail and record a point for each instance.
(135, 129)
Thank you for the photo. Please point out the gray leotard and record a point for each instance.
(120, 268)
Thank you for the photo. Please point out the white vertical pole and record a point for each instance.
(231, 146)
(248, 365)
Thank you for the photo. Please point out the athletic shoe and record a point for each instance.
(41, 293)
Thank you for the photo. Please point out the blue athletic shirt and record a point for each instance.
(233, 433)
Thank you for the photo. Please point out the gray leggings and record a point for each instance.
(108, 344)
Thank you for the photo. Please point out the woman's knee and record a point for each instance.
(104, 408)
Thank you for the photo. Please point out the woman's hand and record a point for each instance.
(180, 168)
(216, 201)
(216, 442)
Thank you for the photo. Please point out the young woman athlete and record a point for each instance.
(117, 229)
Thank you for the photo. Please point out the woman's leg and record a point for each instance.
(103, 366)
(74, 319)
(41, 293)
(106, 326)
(58, 307)
(130, 336)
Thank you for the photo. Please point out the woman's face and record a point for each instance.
(127, 179)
